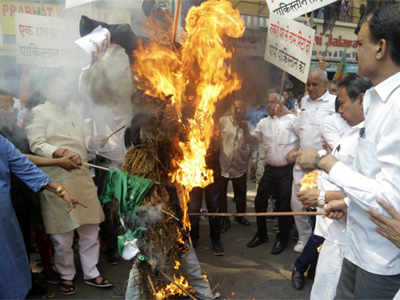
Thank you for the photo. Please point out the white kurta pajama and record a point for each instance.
(308, 127)
(54, 127)
(334, 231)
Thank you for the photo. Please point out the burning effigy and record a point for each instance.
(178, 88)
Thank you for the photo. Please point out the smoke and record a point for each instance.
(102, 91)
(147, 216)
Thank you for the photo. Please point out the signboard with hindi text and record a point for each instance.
(40, 40)
(289, 46)
(10, 8)
(295, 8)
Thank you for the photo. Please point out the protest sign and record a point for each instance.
(40, 40)
(289, 46)
(295, 8)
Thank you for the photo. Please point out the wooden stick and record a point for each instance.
(176, 20)
(115, 131)
(178, 285)
(95, 166)
(107, 169)
(263, 214)
(151, 284)
(169, 214)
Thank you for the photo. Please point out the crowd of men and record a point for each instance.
(345, 130)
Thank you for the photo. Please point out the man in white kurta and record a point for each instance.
(58, 130)
(315, 107)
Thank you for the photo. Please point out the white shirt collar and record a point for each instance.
(323, 98)
(386, 87)
(359, 125)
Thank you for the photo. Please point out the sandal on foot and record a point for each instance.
(67, 288)
(99, 282)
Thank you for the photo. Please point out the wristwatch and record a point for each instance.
(321, 199)
(320, 154)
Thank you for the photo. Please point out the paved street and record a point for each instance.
(242, 273)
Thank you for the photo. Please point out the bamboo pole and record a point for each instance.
(178, 285)
(176, 20)
(151, 285)
(95, 166)
(263, 214)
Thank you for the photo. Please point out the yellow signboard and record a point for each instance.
(10, 8)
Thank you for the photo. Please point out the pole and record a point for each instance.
(263, 214)
(176, 21)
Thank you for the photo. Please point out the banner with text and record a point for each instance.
(10, 8)
(40, 40)
(289, 46)
(295, 8)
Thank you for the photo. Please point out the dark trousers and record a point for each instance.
(239, 193)
(356, 283)
(109, 228)
(211, 194)
(309, 256)
(275, 181)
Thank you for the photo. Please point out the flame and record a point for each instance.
(177, 265)
(179, 237)
(309, 181)
(171, 289)
(197, 73)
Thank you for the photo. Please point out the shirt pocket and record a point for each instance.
(366, 160)
(286, 137)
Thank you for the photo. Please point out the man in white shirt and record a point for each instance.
(371, 268)
(277, 138)
(315, 107)
(350, 101)
(234, 158)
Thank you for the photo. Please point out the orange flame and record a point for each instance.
(309, 181)
(171, 289)
(177, 265)
(199, 73)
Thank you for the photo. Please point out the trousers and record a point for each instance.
(303, 223)
(239, 193)
(328, 271)
(211, 194)
(356, 283)
(309, 257)
(275, 181)
(89, 248)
